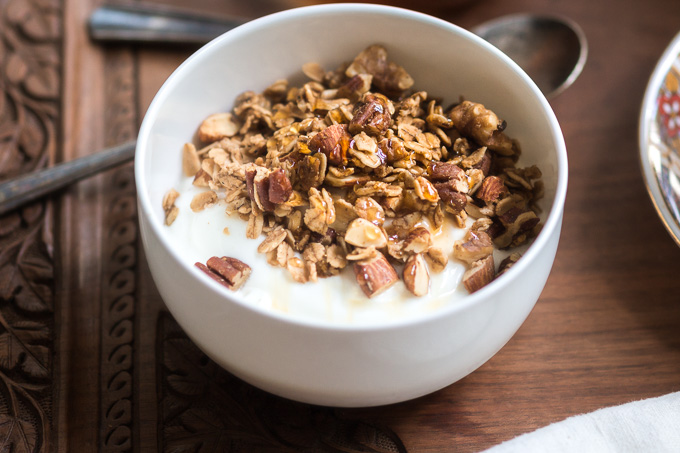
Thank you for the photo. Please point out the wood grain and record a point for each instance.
(91, 361)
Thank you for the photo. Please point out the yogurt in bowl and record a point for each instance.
(347, 350)
(334, 300)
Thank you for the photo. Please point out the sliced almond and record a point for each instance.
(425, 190)
(416, 275)
(369, 209)
(334, 141)
(363, 233)
(217, 126)
(375, 275)
(479, 275)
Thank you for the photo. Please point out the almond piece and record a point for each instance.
(453, 200)
(416, 275)
(479, 275)
(418, 240)
(387, 76)
(372, 116)
(334, 141)
(459, 183)
(444, 171)
(369, 209)
(375, 274)
(425, 190)
(355, 86)
(475, 246)
(475, 177)
(363, 233)
(491, 189)
(216, 127)
(190, 161)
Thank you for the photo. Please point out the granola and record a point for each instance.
(355, 168)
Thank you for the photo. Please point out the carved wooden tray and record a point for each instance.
(91, 361)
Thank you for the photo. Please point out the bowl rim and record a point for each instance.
(551, 224)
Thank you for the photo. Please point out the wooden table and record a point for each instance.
(91, 361)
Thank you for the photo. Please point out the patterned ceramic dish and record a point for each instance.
(660, 138)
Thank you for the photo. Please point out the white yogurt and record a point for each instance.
(338, 299)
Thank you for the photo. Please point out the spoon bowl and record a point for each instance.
(552, 50)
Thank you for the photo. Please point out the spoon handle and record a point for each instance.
(140, 22)
(16, 192)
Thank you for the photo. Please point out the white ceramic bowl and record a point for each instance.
(336, 364)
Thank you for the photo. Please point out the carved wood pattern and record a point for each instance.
(203, 408)
(30, 76)
(119, 263)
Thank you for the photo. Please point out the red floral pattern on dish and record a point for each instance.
(669, 112)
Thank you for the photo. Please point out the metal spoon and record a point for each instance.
(552, 50)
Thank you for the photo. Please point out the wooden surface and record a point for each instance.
(91, 361)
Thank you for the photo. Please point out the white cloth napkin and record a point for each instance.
(650, 425)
